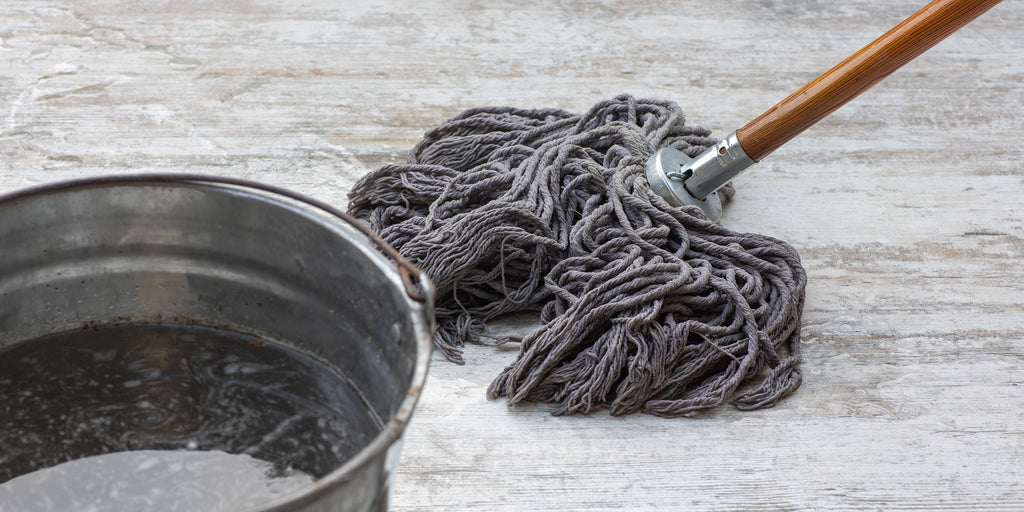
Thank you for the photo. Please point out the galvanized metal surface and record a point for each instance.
(231, 254)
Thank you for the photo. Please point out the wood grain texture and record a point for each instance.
(856, 74)
(905, 205)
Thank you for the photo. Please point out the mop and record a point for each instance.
(605, 223)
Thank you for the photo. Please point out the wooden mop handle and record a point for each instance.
(856, 74)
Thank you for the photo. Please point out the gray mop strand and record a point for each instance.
(644, 307)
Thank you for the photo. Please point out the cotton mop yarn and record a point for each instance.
(644, 307)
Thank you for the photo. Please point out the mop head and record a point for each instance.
(644, 307)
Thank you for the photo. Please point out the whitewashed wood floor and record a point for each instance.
(906, 207)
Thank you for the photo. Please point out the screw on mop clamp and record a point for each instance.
(682, 180)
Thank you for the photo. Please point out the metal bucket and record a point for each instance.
(235, 255)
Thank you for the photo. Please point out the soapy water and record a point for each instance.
(175, 396)
(166, 481)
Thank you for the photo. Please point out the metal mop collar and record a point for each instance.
(644, 306)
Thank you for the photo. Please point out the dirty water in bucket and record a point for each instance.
(168, 417)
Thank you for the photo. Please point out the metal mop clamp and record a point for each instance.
(682, 180)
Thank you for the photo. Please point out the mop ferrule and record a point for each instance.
(683, 180)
